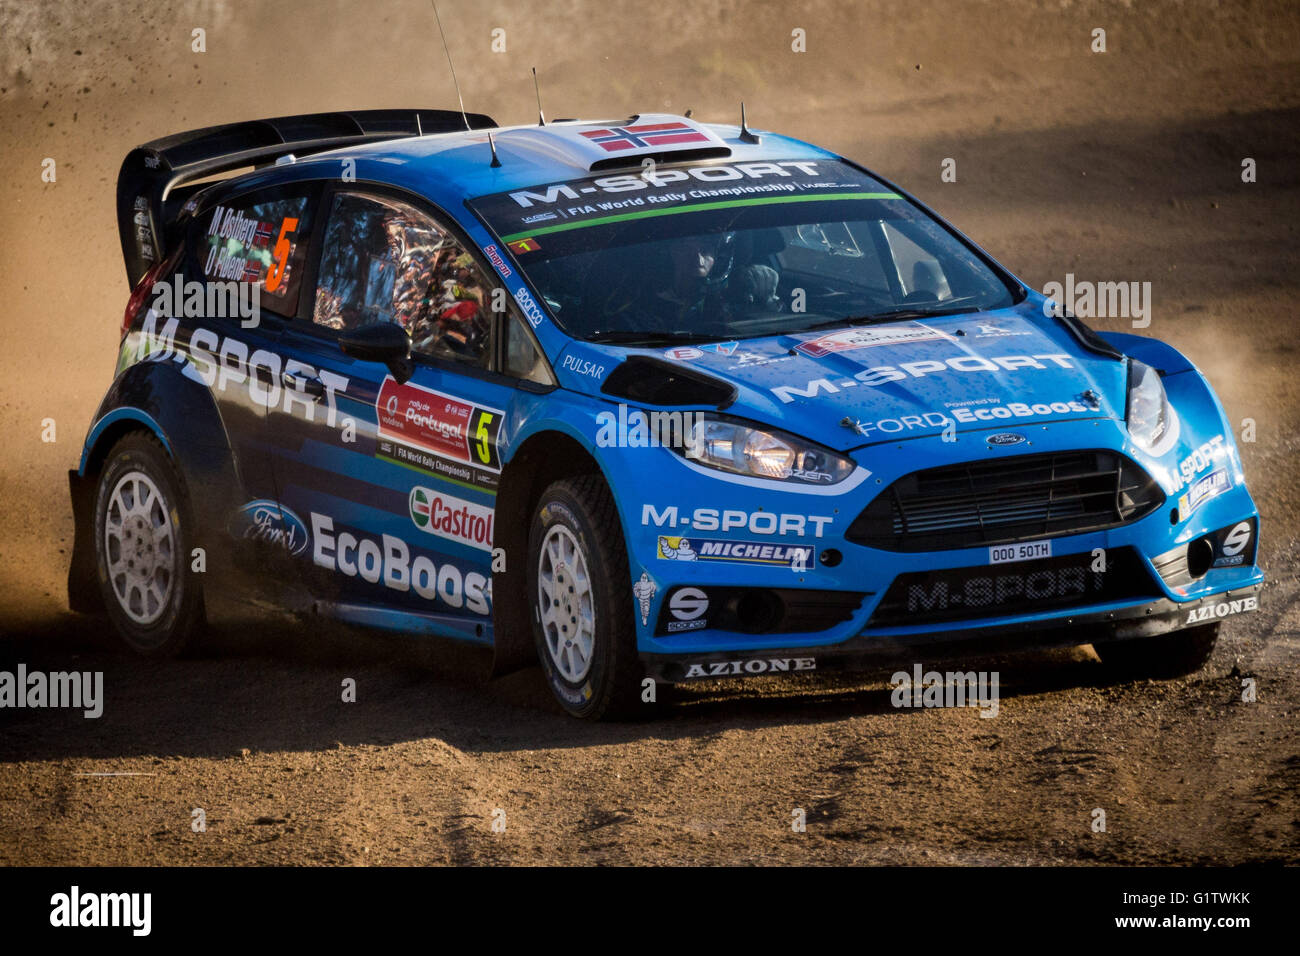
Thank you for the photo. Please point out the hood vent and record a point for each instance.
(653, 381)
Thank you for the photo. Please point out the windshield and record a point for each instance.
(720, 251)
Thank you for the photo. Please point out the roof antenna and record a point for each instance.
(541, 117)
(493, 143)
(745, 135)
(419, 129)
(454, 81)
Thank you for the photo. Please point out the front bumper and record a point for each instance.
(866, 574)
(872, 649)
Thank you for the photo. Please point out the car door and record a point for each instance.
(396, 480)
(240, 281)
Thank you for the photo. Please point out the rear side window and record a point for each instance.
(386, 261)
(260, 237)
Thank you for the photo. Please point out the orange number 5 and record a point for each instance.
(276, 273)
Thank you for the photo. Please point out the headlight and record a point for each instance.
(762, 453)
(1150, 418)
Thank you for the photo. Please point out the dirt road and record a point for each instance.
(1124, 165)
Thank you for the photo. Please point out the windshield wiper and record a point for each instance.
(894, 315)
(634, 337)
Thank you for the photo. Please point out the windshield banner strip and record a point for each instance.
(699, 207)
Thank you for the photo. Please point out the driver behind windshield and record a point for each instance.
(704, 288)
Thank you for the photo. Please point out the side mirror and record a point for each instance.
(385, 342)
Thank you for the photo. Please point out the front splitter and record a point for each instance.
(871, 649)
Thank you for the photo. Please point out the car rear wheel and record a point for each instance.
(581, 600)
(1170, 655)
(142, 542)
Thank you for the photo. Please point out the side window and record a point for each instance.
(261, 238)
(522, 360)
(385, 261)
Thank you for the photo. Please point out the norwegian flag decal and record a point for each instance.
(262, 236)
(618, 138)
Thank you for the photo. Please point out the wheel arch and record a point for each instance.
(544, 457)
(156, 399)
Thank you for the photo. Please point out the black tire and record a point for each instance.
(609, 687)
(153, 597)
(1169, 655)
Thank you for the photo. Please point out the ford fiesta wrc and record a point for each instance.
(640, 399)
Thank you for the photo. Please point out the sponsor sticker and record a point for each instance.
(441, 433)
(391, 562)
(644, 591)
(683, 354)
(1198, 461)
(1222, 609)
(452, 518)
(750, 666)
(494, 256)
(755, 522)
(1231, 545)
(1021, 551)
(986, 331)
(532, 311)
(849, 340)
(688, 607)
(883, 374)
(582, 366)
(1211, 486)
(265, 520)
(738, 552)
(721, 348)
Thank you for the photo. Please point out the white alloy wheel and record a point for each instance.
(566, 602)
(140, 547)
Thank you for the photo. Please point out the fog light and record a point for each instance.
(1200, 555)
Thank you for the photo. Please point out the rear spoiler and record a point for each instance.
(151, 186)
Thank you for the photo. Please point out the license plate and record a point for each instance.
(1024, 551)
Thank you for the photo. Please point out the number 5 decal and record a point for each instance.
(485, 427)
(282, 246)
(484, 439)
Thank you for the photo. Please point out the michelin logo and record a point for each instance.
(644, 592)
(740, 552)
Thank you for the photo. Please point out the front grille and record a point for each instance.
(1005, 500)
(1072, 580)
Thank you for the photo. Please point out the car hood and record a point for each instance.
(1005, 370)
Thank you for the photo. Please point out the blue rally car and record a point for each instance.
(645, 398)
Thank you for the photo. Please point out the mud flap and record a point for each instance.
(512, 633)
(83, 588)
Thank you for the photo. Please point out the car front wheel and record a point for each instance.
(581, 600)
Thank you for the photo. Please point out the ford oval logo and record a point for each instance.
(1005, 438)
(264, 520)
